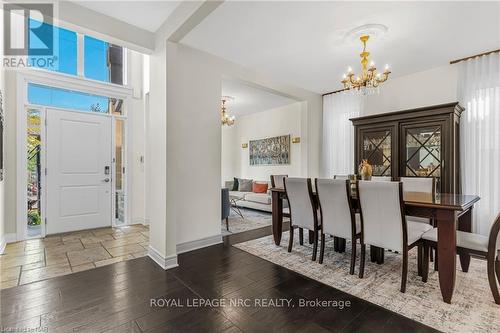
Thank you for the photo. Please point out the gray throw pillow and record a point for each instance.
(245, 185)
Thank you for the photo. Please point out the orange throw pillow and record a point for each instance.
(259, 188)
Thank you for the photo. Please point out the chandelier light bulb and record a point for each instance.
(372, 64)
(349, 69)
(386, 67)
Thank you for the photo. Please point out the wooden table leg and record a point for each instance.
(336, 244)
(277, 208)
(465, 224)
(380, 255)
(311, 237)
(373, 253)
(342, 245)
(447, 259)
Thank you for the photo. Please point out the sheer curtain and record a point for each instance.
(479, 93)
(338, 133)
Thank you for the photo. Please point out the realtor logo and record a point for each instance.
(28, 29)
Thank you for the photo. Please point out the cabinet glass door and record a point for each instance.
(423, 152)
(377, 149)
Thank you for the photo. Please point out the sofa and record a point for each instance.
(257, 201)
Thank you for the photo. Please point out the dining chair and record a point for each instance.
(384, 225)
(338, 218)
(278, 180)
(487, 247)
(381, 178)
(421, 185)
(303, 209)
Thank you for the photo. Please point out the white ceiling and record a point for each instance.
(148, 15)
(302, 42)
(250, 99)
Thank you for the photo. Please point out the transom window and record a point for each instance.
(75, 100)
(101, 61)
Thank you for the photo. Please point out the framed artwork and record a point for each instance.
(270, 151)
(1, 135)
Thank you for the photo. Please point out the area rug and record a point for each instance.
(472, 308)
(252, 219)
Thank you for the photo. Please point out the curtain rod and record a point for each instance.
(334, 92)
(474, 56)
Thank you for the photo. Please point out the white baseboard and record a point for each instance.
(164, 262)
(140, 220)
(6, 239)
(199, 243)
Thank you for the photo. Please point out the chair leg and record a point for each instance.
(353, 255)
(404, 270)
(322, 248)
(425, 264)
(227, 223)
(492, 278)
(431, 253)
(315, 246)
(362, 262)
(436, 268)
(301, 236)
(290, 240)
(420, 253)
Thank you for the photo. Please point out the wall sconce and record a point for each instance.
(296, 140)
(244, 145)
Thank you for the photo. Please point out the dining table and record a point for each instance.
(450, 212)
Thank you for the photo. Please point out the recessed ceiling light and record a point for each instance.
(374, 30)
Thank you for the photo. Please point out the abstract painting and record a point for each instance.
(270, 151)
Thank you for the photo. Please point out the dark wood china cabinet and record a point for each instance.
(421, 142)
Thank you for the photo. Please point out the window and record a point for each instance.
(103, 61)
(33, 150)
(75, 100)
(65, 49)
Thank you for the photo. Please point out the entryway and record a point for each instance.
(78, 171)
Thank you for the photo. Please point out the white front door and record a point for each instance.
(78, 159)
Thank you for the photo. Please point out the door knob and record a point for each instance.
(106, 180)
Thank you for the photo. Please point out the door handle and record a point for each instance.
(106, 180)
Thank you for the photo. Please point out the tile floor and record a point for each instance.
(40, 259)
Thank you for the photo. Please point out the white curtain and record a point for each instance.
(338, 133)
(479, 93)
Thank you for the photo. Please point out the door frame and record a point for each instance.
(67, 82)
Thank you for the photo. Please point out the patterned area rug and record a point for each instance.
(472, 308)
(253, 219)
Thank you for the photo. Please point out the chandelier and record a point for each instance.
(369, 78)
(225, 118)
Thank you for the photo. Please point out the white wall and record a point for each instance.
(426, 88)
(2, 198)
(275, 122)
(193, 140)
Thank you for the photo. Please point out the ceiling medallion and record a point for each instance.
(368, 81)
(226, 119)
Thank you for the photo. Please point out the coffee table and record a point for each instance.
(234, 204)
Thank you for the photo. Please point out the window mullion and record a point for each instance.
(80, 53)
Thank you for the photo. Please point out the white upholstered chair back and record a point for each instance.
(299, 194)
(341, 177)
(382, 217)
(278, 180)
(418, 184)
(336, 212)
(381, 178)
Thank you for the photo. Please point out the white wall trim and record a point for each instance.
(139, 220)
(6, 239)
(164, 262)
(199, 243)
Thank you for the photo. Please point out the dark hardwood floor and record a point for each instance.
(116, 298)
